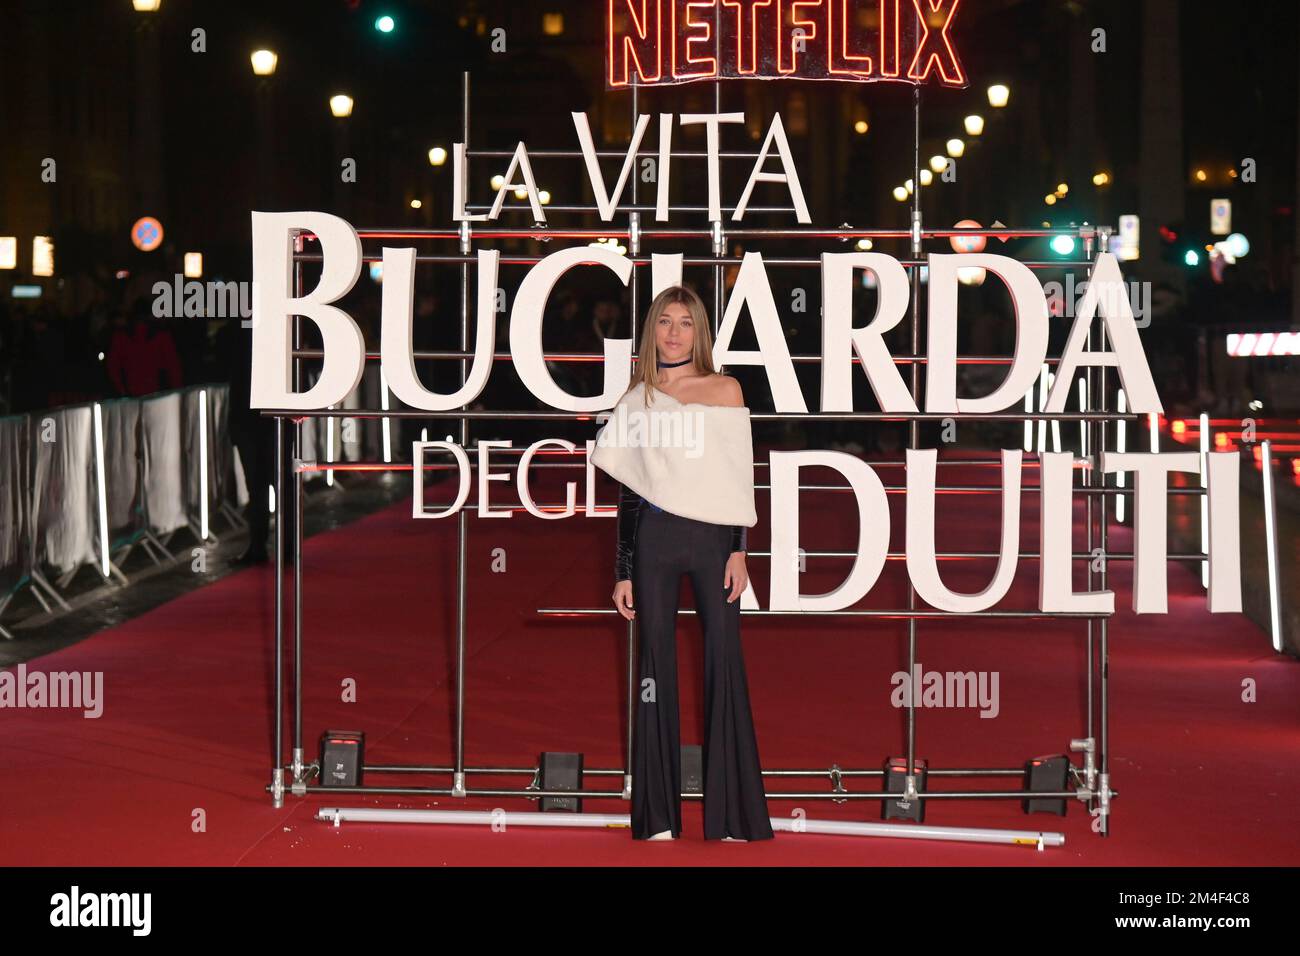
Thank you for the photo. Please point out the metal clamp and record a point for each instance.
(464, 236)
(299, 787)
(1103, 796)
(837, 783)
(634, 233)
(535, 783)
(719, 241)
(1088, 747)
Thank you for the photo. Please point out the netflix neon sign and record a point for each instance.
(651, 42)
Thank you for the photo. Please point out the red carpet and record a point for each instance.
(187, 718)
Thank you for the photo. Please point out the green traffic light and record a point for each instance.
(1063, 245)
(385, 24)
(1192, 258)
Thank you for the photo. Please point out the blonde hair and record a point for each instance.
(647, 368)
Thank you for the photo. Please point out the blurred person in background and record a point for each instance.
(253, 434)
(38, 355)
(142, 357)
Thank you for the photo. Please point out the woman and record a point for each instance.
(685, 465)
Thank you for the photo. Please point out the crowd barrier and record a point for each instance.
(84, 485)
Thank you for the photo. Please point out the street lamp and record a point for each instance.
(938, 163)
(146, 6)
(974, 124)
(341, 105)
(437, 156)
(998, 95)
(264, 62)
(955, 148)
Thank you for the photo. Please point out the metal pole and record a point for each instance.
(462, 519)
(630, 631)
(277, 771)
(535, 818)
(1103, 745)
(509, 259)
(298, 758)
(914, 428)
(719, 245)
(1093, 470)
(756, 416)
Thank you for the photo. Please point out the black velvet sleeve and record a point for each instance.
(738, 537)
(629, 512)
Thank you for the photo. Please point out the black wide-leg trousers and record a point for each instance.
(667, 546)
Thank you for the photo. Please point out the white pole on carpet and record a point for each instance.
(535, 818)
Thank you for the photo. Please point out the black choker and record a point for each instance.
(673, 364)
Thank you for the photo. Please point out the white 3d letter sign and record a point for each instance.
(851, 346)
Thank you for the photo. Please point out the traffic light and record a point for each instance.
(385, 23)
(1063, 245)
(1173, 244)
(1182, 246)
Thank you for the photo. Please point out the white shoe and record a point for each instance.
(665, 835)
(733, 840)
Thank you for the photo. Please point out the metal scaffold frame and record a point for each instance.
(1090, 781)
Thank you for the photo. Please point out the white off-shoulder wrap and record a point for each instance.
(691, 459)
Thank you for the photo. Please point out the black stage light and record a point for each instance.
(342, 758)
(896, 782)
(692, 769)
(1046, 775)
(561, 771)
